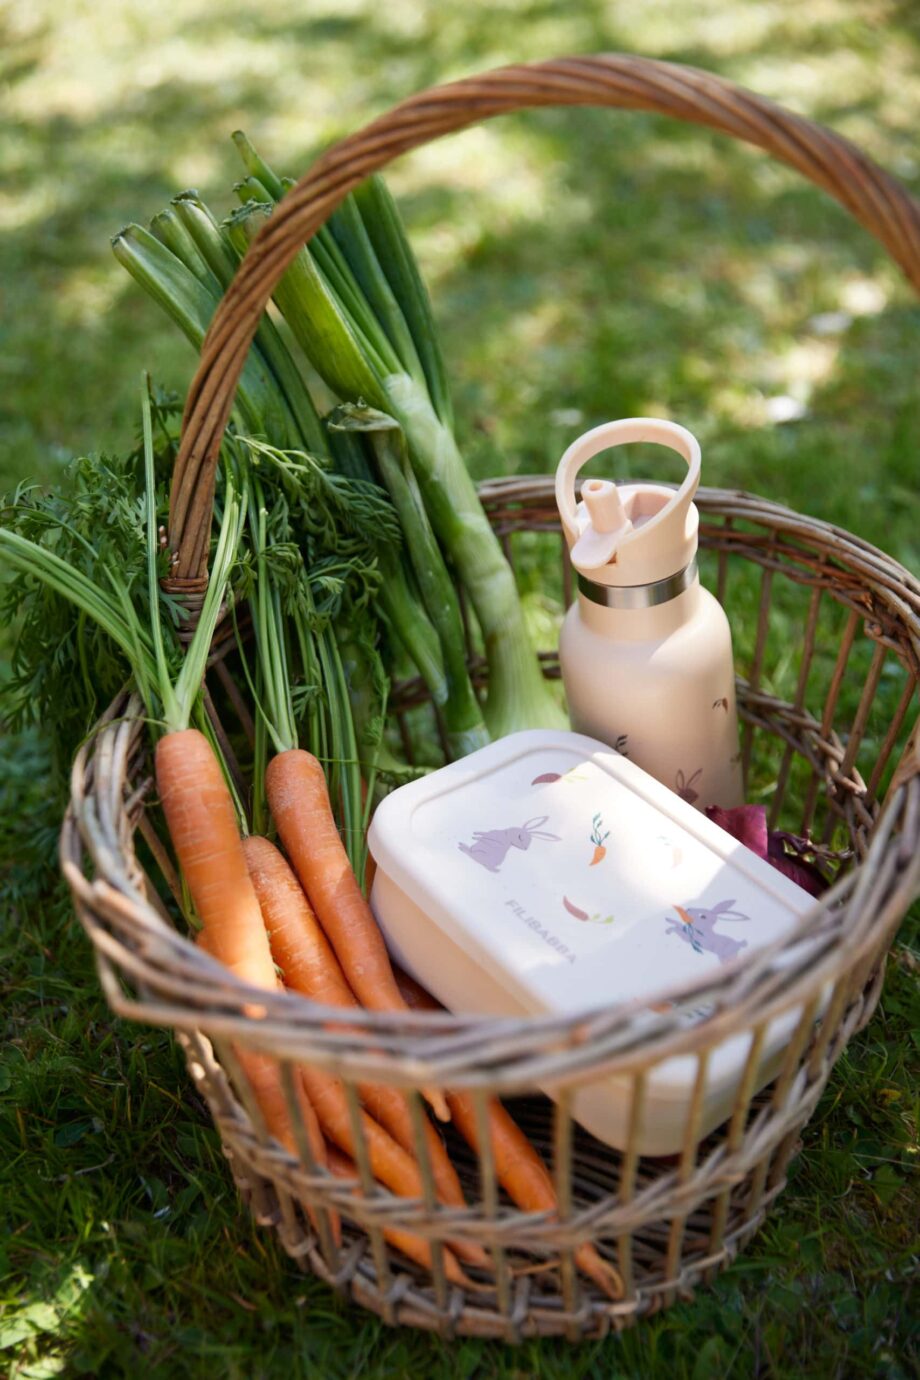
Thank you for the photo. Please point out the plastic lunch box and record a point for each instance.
(547, 874)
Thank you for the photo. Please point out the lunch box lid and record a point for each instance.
(573, 877)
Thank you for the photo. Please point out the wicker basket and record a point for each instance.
(665, 1224)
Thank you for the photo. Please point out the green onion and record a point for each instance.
(399, 597)
(462, 715)
(256, 166)
(387, 234)
(350, 236)
(359, 369)
(169, 229)
(205, 232)
(332, 341)
(214, 248)
(191, 305)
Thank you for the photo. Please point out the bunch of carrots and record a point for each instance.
(308, 917)
(300, 912)
(353, 529)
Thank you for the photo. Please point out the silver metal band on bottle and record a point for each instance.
(638, 596)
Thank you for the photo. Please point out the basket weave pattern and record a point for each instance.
(665, 1224)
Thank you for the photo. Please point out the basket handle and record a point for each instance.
(874, 198)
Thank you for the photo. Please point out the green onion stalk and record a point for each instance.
(216, 252)
(399, 599)
(191, 302)
(353, 299)
(462, 714)
(416, 594)
(428, 628)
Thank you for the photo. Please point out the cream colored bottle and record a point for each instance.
(645, 650)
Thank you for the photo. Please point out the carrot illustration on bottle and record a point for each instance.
(597, 838)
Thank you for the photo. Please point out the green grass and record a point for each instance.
(584, 265)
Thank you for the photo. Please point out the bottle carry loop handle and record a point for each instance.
(621, 433)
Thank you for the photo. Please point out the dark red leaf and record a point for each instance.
(788, 853)
(746, 823)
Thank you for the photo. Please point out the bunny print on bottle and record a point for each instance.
(490, 848)
(696, 927)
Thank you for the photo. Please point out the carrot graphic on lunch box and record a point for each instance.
(677, 853)
(547, 778)
(598, 839)
(491, 846)
(577, 913)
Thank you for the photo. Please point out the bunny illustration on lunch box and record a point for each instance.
(697, 928)
(491, 847)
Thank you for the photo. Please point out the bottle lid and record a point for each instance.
(629, 534)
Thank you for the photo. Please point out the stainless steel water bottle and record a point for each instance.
(646, 651)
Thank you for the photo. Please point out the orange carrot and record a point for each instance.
(264, 1078)
(600, 853)
(389, 1162)
(414, 1247)
(202, 825)
(518, 1167)
(299, 799)
(298, 944)
(526, 1179)
(325, 1096)
(388, 1106)
(309, 966)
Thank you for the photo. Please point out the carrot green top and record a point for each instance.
(105, 598)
